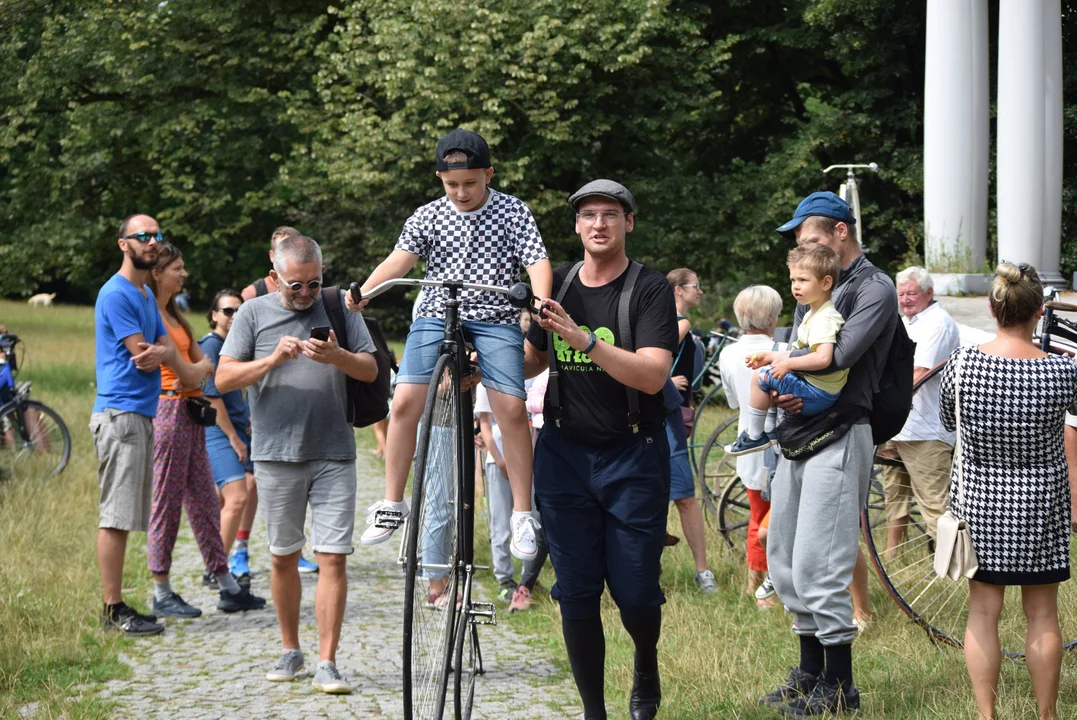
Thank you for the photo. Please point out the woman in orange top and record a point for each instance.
(182, 477)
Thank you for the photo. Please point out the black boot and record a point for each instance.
(646, 696)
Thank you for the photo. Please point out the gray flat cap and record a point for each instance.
(605, 188)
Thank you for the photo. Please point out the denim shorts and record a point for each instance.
(682, 484)
(223, 459)
(815, 400)
(500, 349)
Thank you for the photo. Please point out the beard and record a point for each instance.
(296, 303)
(140, 262)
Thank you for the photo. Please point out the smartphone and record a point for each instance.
(320, 333)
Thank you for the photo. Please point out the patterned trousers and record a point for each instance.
(182, 479)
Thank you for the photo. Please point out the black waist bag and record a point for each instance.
(201, 411)
(367, 402)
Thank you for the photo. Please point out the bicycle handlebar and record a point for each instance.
(874, 167)
(520, 294)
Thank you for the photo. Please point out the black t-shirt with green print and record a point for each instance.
(594, 406)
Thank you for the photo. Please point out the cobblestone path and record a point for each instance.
(214, 666)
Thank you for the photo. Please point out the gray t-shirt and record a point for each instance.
(298, 409)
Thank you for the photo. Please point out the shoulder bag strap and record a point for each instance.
(624, 327)
(957, 433)
(335, 311)
(551, 354)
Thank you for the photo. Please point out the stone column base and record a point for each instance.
(961, 283)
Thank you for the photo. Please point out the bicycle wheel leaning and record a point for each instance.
(34, 440)
(716, 469)
(902, 552)
(431, 554)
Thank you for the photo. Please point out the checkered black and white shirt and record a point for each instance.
(486, 246)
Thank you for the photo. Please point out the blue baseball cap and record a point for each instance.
(823, 204)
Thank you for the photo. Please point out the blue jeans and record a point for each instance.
(815, 400)
(681, 482)
(500, 349)
(436, 538)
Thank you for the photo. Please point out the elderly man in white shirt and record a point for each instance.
(923, 445)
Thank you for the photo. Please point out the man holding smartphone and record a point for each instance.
(303, 446)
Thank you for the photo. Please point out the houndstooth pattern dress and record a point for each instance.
(1013, 465)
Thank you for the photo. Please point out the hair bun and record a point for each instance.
(1009, 272)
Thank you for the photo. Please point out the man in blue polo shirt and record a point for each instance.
(131, 344)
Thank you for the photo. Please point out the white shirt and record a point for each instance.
(482, 405)
(936, 336)
(737, 381)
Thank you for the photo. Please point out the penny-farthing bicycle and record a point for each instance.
(441, 634)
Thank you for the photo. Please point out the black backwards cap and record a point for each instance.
(467, 142)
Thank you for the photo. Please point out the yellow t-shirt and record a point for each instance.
(815, 329)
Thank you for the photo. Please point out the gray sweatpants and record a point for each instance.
(500, 494)
(814, 531)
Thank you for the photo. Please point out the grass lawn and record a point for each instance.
(718, 652)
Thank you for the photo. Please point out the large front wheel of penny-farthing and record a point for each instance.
(906, 567)
(431, 551)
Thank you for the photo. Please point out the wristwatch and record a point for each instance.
(592, 341)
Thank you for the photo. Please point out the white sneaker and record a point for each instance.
(328, 680)
(289, 665)
(523, 535)
(383, 517)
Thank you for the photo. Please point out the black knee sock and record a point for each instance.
(839, 665)
(812, 657)
(586, 646)
(645, 626)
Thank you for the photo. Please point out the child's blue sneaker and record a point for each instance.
(746, 444)
(239, 563)
(306, 566)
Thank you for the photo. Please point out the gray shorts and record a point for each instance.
(124, 445)
(285, 488)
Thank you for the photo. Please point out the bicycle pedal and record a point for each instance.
(388, 519)
(482, 613)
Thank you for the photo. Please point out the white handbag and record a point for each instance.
(955, 557)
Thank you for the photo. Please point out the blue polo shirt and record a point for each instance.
(122, 310)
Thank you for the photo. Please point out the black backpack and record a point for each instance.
(892, 401)
(367, 402)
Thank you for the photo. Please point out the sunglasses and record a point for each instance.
(145, 237)
(297, 286)
(693, 285)
(228, 312)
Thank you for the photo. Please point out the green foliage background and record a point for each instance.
(225, 120)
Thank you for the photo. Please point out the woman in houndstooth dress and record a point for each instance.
(1015, 495)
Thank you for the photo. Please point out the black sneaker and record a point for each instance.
(244, 581)
(798, 684)
(124, 619)
(824, 699)
(242, 600)
(175, 606)
(209, 580)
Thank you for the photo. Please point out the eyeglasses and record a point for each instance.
(588, 217)
(145, 237)
(228, 312)
(693, 285)
(297, 286)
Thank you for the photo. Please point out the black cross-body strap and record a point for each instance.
(624, 327)
(551, 354)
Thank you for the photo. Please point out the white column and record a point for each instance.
(1021, 126)
(1051, 257)
(956, 143)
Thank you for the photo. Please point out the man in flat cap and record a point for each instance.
(602, 460)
